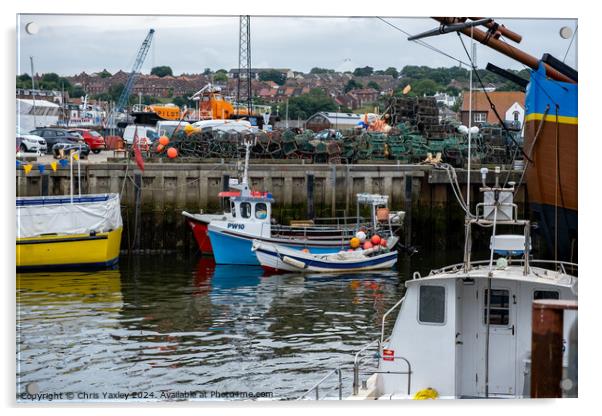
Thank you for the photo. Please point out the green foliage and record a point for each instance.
(220, 77)
(52, 81)
(392, 71)
(443, 76)
(352, 85)
(104, 74)
(317, 70)
(161, 71)
(273, 75)
(207, 71)
(313, 102)
(425, 87)
(184, 100)
(77, 92)
(457, 105)
(453, 91)
(180, 101)
(221, 71)
(23, 81)
(113, 93)
(363, 72)
(373, 84)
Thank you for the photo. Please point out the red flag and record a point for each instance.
(137, 153)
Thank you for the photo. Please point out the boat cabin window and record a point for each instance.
(245, 209)
(545, 294)
(499, 313)
(261, 211)
(432, 305)
(233, 208)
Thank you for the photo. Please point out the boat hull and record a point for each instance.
(199, 229)
(231, 248)
(551, 140)
(68, 251)
(276, 259)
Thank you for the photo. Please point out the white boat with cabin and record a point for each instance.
(465, 330)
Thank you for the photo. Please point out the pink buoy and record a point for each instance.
(367, 245)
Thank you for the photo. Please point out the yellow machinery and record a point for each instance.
(213, 105)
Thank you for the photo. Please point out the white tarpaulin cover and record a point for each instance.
(57, 215)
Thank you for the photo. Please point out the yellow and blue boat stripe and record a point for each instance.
(543, 92)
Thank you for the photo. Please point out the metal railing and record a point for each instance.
(356, 365)
(316, 387)
(359, 357)
(382, 329)
(561, 266)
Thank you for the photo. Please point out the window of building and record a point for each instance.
(233, 208)
(499, 313)
(261, 211)
(516, 114)
(432, 305)
(245, 210)
(545, 294)
(479, 117)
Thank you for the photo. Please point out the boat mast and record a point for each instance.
(490, 39)
(248, 144)
(467, 225)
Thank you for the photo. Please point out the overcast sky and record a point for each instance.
(70, 44)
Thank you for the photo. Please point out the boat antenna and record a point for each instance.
(248, 142)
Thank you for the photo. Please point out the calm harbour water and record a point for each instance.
(179, 325)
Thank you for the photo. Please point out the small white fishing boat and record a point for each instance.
(468, 330)
(277, 258)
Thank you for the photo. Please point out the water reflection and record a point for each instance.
(167, 323)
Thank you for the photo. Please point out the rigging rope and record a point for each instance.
(423, 43)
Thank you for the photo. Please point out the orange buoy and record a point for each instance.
(172, 152)
(367, 245)
(355, 242)
(164, 140)
(160, 148)
(305, 250)
(375, 239)
(383, 242)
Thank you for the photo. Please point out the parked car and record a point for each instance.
(54, 135)
(146, 133)
(82, 148)
(27, 142)
(92, 138)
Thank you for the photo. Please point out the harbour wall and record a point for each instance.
(152, 200)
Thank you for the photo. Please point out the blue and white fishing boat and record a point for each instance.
(276, 258)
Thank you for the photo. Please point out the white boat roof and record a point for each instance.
(536, 275)
(372, 198)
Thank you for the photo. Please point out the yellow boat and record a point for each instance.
(65, 232)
